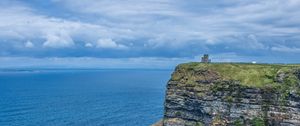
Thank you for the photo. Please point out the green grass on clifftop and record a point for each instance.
(253, 75)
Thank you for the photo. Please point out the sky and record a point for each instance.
(146, 33)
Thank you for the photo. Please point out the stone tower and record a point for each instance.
(205, 59)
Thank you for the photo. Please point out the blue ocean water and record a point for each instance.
(82, 97)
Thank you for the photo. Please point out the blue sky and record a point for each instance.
(146, 33)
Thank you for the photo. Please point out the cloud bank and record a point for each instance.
(150, 28)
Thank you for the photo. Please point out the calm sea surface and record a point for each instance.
(82, 97)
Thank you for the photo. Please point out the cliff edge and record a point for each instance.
(201, 94)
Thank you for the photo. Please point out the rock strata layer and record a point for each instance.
(202, 96)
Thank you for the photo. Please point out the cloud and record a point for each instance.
(20, 23)
(149, 28)
(29, 44)
(88, 45)
(58, 40)
(254, 43)
(109, 44)
(183, 21)
(121, 8)
(286, 49)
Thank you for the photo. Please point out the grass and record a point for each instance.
(253, 75)
(258, 122)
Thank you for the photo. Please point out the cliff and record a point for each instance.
(200, 94)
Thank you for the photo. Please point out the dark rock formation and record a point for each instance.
(202, 96)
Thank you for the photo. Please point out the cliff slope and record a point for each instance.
(201, 94)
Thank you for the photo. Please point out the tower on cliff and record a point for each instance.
(205, 59)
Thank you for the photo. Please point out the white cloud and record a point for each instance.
(156, 24)
(58, 40)
(183, 21)
(109, 44)
(88, 45)
(20, 23)
(254, 43)
(286, 49)
(29, 44)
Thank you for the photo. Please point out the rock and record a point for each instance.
(159, 123)
(280, 77)
(200, 96)
(297, 73)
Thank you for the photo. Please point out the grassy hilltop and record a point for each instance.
(278, 76)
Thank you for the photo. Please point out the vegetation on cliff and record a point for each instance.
(275, 76)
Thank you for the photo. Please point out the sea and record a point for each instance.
(82, 97)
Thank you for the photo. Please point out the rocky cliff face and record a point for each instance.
(221, 94)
